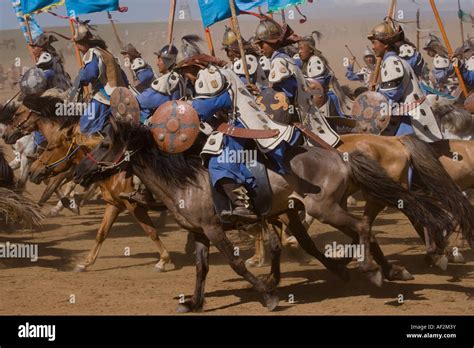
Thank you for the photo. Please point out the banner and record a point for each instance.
(34, 27)
(79, 7)
(30, 6)
(277, 5)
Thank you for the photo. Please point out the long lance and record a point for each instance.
(114, 28)
(30, 37)
(239, 39)
(448, 46)
(210, 44)
(353, 57)
(418, 29)
(460, 22)
(376, 73)
(171, 21)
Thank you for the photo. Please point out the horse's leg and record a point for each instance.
(258, 259)
(217, 237)
(110, 215)
(273, 279)
(391, 272)
(299, 231)
(140, 213)
(202, 268)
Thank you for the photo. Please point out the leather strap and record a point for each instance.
(315, 139)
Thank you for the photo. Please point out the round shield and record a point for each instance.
(317, 90)
(33, 82)
(370, 110)
(124, 105)
(469, 103)
(175, 126)
(275, 104)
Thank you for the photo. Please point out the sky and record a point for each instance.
(157, 10)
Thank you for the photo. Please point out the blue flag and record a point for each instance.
(277, 5)
(213, 11)
(35, 29)
(30, 6)
(245, 5)
(79, 7)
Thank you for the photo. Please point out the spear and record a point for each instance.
(239, 39)
(114, 28)
(171, 21)
(353, 57)
(448, 46)
(460, 22)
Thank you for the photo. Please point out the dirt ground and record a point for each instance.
(127, 285)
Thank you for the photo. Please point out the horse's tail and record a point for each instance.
(7, 177)
(372, 178)
(433, 178)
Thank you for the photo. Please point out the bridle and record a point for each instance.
(70, 152)
(123, 157)
(19, 126)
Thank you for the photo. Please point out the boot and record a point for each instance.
(237, 194)
(141, 196)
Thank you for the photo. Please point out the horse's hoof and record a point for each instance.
(183, 308)
(80, 268)
(254, 262)
(375, 277)
(441, 262)
(458, 258)
(164, 267)
(271, 301)
(399, 273)
(291, 242)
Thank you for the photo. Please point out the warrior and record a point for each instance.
(365, 73)
(141, 70)
(285, 76)
(316, 67)
(442, 76)
(464, 58)
(102, 71)
(409, 52)
(401, 86)
(230, 45)
(49, 61)
(219, 91)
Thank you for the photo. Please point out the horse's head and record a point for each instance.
(106, 158)
(23, 122)
(58, 157)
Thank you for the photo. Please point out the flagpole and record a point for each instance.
(30, 37)
(448, 46)
(171, 21)
(210, 45)
(114, 28)
(239, 40)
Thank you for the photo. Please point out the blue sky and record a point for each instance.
(157, 10)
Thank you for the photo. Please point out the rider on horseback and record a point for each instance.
(102, 71)
(364, 74)
(141, 70)
(409, 52)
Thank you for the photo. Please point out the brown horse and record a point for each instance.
(319, 179)
(43, 119)
(437, 165)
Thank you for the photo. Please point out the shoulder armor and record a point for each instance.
(90, 55)
(392, 69)
(44, 59)
(316, 67)
(279, 70)
(252, 65)
(210, 82)
(138, 63)
(440, 62)
(166, 84)
(264, 63)
(470, 64)
(406, 51)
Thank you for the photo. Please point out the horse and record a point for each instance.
(318, 179)
(42, 117)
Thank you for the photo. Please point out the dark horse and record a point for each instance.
(319, 179)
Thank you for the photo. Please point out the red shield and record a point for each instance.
(124, 105)
(175, 126)
(371, 113)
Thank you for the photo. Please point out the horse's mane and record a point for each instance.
(7, 178)
(176, 169)
(46, 104)
(7, 112)
(455, 119)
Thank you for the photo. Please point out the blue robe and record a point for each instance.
(236, 171)
(416, 62)
(353, 76)
(149, 100)
(145, 76)
(468, 77)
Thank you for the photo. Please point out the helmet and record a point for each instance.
(131, 51)
(269, 31)
(434, 43)
(168, 54)
(229, 39)
(44, 40)
(368, 52)
(385, 32)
